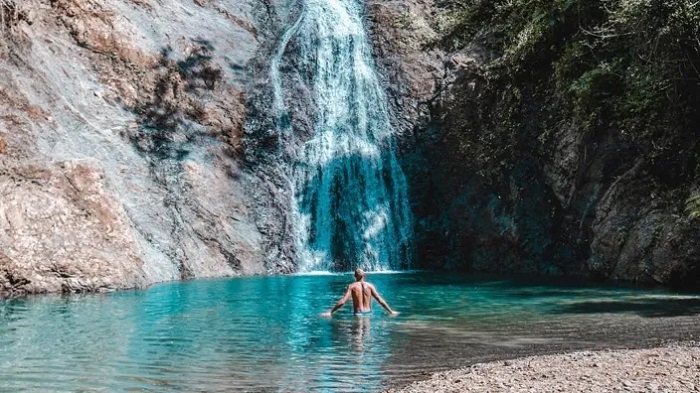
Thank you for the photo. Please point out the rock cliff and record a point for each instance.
(550, 144)
(121, 126)
(138, 141)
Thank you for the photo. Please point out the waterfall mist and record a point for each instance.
(350, 203)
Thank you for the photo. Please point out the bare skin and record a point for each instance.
(361, 293)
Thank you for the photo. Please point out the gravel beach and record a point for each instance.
(675, 368)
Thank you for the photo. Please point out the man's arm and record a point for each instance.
(340, 303)
(381, 301)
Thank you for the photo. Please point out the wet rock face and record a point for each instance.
(413, 70)
(121, 127)
(488, 198)
(491, 201)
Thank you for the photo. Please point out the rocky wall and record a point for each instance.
(502, 182)
(121, 128)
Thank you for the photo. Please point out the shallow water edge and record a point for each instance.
(265, 333)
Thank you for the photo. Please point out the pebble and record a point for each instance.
(672, 368)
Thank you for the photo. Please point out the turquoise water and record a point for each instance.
(265, 334)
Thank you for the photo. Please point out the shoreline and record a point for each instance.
(673, 367)
(15, 293)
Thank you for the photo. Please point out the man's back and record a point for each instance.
(361, 296)
(362, 293)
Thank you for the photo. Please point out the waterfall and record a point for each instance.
(350, 203)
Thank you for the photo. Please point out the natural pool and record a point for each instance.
(265, 333)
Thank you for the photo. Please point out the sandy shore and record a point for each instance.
(675, 368)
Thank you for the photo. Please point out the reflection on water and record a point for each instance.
(265, 333)
(360, 331)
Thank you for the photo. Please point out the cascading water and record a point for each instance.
(350, 196)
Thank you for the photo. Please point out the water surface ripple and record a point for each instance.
(264, 333)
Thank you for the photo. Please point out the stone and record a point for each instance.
(565, 373)
(121, 146)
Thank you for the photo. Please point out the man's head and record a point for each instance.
(359, 274)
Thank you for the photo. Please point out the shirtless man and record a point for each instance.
(362, 293)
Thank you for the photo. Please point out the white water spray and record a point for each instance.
(350, 206)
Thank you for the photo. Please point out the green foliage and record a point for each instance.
(628, 65)
(594, 87)
(692, 205)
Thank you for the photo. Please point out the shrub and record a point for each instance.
(692, 205)
(629, 65)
